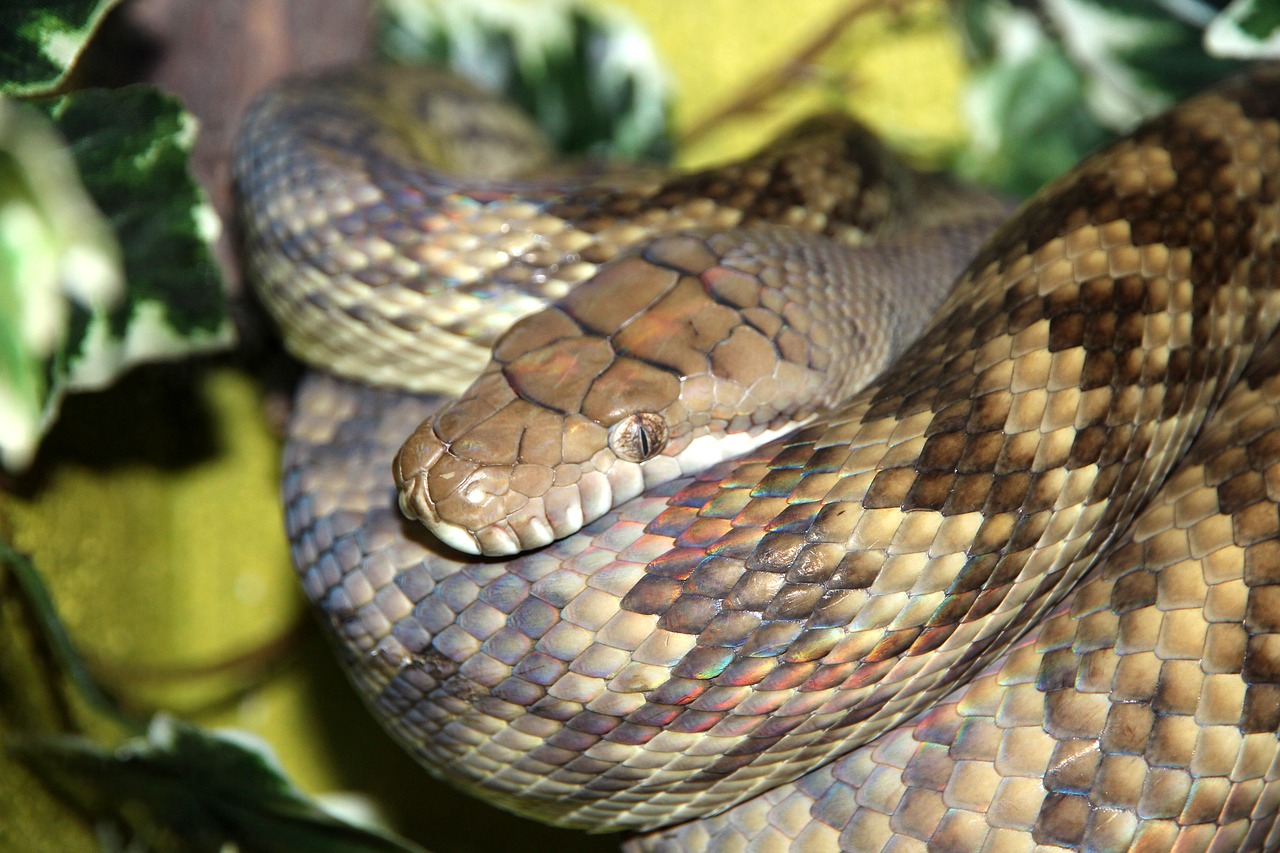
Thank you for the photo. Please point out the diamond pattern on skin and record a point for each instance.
(353, 242)
(1126, 719)
(691, 742)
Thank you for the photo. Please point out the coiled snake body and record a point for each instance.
(996, 601)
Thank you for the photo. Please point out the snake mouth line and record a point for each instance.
(416, 504)
(495, 540)
(456, 537)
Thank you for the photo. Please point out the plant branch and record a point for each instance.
(777, 79)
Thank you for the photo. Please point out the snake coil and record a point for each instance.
(1021, 593)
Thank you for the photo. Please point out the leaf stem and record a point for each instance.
(777, 79)
(59, 642)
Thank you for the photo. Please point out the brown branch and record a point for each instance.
(777, 79)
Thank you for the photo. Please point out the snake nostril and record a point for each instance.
(414, 500)
(417, 455)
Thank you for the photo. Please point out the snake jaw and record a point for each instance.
(453, 535)
(523, 532)
(411, 469)
(486, 510)
(415, 503)
(544, 518)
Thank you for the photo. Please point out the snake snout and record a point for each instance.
(411, 468)
(488, 510)
(476, 506)
(461, 504)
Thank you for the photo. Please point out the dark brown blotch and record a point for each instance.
(1062, 820)
(1262, 563)
(889, 488)
(652, 594)
(1072, 766)
(929, 492)
(1261, 709)
(690, 614)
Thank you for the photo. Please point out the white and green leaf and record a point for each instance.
(1025, 106)
(587, 74)
(211, 789)
(60, 267)
(106, 260)
(40, 41)
(1246, 29)
(1056, 78)
(169, 780)
(132, 146)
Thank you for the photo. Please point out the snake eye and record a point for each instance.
(639, 436)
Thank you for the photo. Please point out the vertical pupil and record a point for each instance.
(643, 440)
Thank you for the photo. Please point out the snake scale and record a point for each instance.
(1020, 593)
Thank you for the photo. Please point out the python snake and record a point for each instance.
(996, 601)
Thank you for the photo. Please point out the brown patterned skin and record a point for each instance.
(691, 350)
(1142, 715)
(389, 271)
(837, 612)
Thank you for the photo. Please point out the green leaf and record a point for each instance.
(185, 788)
(57, 641)
(171, 785)
(83, 298)
(40, 41)
(1053, 80)
(589, 77)
(132, 146)
(1027, 114)
(1246, 29)
(59, 263)
(1135, 56)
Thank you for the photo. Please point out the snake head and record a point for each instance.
(646, 373)
(495, 473)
